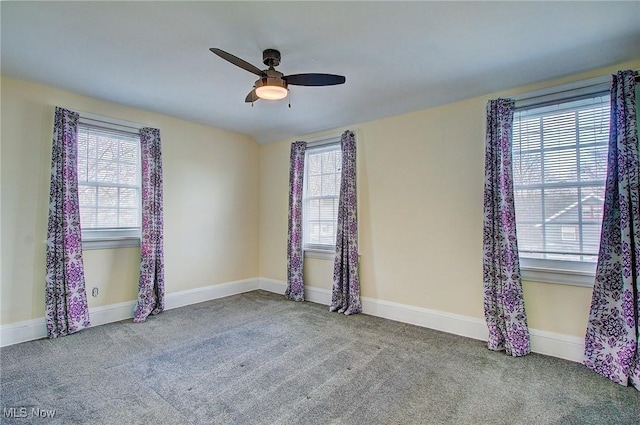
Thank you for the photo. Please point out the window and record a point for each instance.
(320, 196)
(108, 186)
(559, 173)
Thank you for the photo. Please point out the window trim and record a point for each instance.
(563, 93)
(121, 237)
(575, 273)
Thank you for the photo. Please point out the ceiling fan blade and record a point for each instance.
(237, 61)
(314, 79)
(251, 97)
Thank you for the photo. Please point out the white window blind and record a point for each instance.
(559, 173)
(323, 166)
(108, 183)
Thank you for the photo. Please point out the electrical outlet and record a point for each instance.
(94, 292)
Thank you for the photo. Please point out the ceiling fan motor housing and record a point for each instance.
(271, 81)
(271, 78)
(271, 86)
(271, 57)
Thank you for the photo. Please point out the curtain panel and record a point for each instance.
(295, 255)
(345, 295)
(151, 283)
(65, 294)
(611, 340)
(503, 299)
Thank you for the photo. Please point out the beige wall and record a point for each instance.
(420, 200)
(210, 203)
(420, 183)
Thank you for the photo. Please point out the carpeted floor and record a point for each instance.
(256, 358)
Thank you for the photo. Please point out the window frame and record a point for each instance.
(109, 238)
(320, 251)
(576, 273)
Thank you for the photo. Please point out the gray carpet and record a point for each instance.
(256, 358)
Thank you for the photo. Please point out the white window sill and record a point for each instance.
(110, 243)
(322, 254)
(563, 277)
(556, 271)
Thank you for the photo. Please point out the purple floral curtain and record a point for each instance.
(65, 295)
(611, 341)
(503, 302)
(151, 284)
(295, 259)
(345, 297)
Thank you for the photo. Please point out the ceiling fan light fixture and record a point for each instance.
(271, 88)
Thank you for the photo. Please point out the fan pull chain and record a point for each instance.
(289, 97)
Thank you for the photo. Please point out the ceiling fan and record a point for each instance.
(272, 84)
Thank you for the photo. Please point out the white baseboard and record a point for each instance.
(563, 346)
(273, 285)
(317, 295)
(312, 294)
(456, 324)
(28, 330)
(211, 292)
(432, 319)
(553, 344)
(549, 343)
(111, 313)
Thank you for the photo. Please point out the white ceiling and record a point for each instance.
(397, 56)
